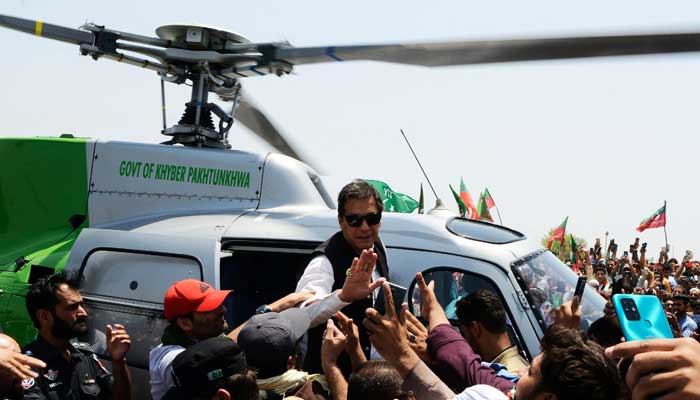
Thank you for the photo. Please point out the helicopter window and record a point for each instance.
(482, 231)
(119, 287)
(260, 275)
(453, 284)
(547, 283)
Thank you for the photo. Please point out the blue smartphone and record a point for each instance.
(641, 317)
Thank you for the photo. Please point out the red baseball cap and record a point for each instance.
(191, 295)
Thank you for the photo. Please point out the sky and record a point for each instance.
(604, 141)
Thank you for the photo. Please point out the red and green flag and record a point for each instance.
(483, 210)
(656, 220)
(574, 250)
(558, 234)
(460, 203)
(489, 199)
(467, 200)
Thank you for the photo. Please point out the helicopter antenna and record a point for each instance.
(419, 164)
(162, 103)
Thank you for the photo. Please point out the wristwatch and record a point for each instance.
(263, 309)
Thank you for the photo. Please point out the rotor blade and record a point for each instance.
(51, 31)
(257, 122)
(496, 51)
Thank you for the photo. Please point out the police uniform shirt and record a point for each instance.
(81, 377)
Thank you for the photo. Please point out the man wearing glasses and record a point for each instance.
(359, 216)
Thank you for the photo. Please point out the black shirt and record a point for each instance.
(81, 377)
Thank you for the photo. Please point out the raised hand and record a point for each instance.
(352, 340)
(333, 344)
(568, 315)
(118, 342)
(661, 368)
(389, 334)
(417, 335)
(19, 365)
(358, 282)
(431, 310)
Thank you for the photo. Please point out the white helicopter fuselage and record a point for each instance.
(249, 222)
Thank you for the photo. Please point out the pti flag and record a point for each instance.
(489, 200)
(394, 201)
(467, 199)
(657, 220)
(484, 213)
(557, 234)
(460, 203)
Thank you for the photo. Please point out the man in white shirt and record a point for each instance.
(359, 216)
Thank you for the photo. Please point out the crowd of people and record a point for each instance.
(676, 284)
(327, 341)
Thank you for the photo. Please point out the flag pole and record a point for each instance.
(499, 215)
(419, 164)
(606, 247)
(665, 223)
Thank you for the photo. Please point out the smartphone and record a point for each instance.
(625, 254)
(397, 292)
(580, 285)
(641, 317)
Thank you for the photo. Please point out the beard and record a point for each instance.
(64, 330)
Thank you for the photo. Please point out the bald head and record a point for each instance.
(8, 343)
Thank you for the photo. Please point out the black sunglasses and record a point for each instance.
(356, 220)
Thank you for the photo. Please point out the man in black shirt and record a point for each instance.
(359, 217)
(72, 371)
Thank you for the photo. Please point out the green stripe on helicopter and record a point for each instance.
(44, 183)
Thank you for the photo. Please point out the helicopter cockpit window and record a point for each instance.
(548, 283)
(482, 231)
(451, 285)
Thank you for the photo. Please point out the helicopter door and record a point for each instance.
(123, 279)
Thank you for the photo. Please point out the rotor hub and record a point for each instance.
(198, 37)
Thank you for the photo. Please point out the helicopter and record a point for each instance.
(130, 218)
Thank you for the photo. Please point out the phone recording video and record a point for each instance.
(580, 286)
(641, 317)
(397, 292)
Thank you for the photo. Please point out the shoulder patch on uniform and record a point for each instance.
(82, 346)
(51, 375)
(27, 383)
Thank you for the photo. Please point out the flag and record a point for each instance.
(421, 201)
(558, 234)
(467, 199)
(658, 219)
(394, 201)
(460, 203)
(574, 249)
(489, 200)
(483, 210)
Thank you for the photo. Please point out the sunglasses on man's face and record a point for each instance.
(355, 220)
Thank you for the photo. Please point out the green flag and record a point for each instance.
(574, 249)
(393, 201)
(460, 203)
